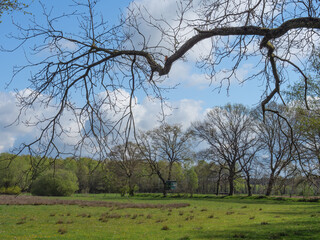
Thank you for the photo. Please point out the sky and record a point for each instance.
(191, 99)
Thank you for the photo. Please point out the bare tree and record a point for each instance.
(230, 136)
(276, 140)
(214, 168)
(166, 143)
(247, 163)
(127, 157)
(273, 33)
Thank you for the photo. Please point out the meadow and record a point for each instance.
(149, 216)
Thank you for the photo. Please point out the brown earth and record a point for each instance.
(33, 200)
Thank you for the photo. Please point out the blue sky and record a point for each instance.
(205, 92)
(191, 98)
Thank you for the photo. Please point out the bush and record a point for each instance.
(60, 183)
(15, 190)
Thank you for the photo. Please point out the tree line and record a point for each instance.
(233, 150)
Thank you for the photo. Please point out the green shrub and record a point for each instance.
(60, 183)
(14, 190)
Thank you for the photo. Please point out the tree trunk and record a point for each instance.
(231, 183)
(249, 186)
(170, 170)
(131, 192)
(131, 186)
(218, 186)
(270, 185)
(218, 182)
(164, 189)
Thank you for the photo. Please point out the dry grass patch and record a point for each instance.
(189, 218)
(21, 222)
(84, 215)
(165, 227)
(239, 235)
(34, 200)
(161, 220)
(60, 221)
(110, 215)
(103, 220)
(62, 231)
(229, 213)
(185, 238)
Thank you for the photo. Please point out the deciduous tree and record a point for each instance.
(127, 157)
(229, 133)
(277, 35)
(166, 143)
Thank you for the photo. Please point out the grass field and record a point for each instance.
(204, 218)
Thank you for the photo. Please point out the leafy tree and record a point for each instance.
(58, 183)
(91, 175)
(211, 174)
(14, 172)
(305, 108)
(191, 180)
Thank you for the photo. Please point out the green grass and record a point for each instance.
(207, 217)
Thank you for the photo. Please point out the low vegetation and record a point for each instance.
(55, 183)
(200, 217)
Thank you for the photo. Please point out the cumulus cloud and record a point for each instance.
(147, 114)
(10, 130)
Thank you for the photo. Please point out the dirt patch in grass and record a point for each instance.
(33, 200)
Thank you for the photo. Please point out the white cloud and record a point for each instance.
(62, 45)
(161, 26)
(27, 128)
(147, 115)
(183, 72)
(186, 111)
(10, 130)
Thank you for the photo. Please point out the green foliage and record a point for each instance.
(60, 183)
(304, 96)
(13, 171)
(192, 180)
(126, 190)
(15, 190)
(11, 5)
